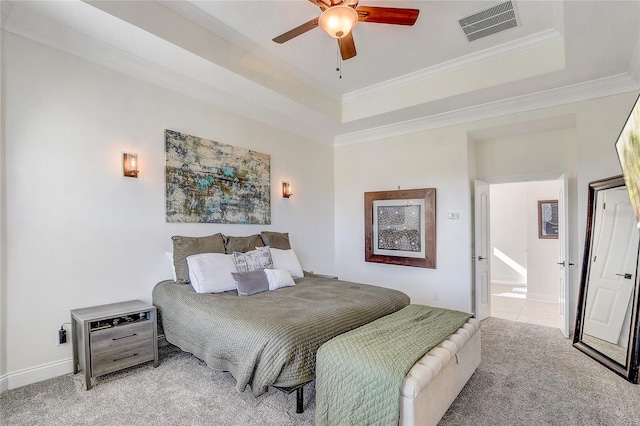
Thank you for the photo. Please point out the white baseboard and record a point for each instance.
(35, 374)
(542, 297)
(4, 384)
(508, 282)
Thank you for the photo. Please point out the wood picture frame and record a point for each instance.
(400, 227)
(548, 219)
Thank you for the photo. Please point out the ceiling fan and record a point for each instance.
(340, 16)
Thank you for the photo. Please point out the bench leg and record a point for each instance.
(299, 395)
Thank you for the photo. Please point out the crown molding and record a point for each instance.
(240, 97)
(227, 91)
(198, 16)
(535, 40)
(608, 86)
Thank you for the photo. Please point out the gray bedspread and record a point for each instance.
(269, 338)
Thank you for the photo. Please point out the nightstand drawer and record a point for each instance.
(121, 337)
(108, 362)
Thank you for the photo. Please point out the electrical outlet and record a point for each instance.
(435, 295)
(62, 336)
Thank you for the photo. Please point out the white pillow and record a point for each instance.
(278, 278)
(169, 255)
(211, 272)
(287, 259)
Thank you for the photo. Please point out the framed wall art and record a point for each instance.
(211, 182)
(548, 219)
(400, 227)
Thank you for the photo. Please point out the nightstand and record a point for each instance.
(312, 274)
(108, 338)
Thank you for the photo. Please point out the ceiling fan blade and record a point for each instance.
(347, 46)
(321, 4)
(387, 15)
(307, 26)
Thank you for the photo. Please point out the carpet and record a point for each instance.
(529, 375)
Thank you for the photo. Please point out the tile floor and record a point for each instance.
(510, 302)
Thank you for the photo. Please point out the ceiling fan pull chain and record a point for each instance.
(338, 60)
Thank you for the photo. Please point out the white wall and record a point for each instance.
(434, 159)
(3, 310)
(514, 232)
(508, 225)
(444, 159)
(585, 151)
(77, 233)
(542, 254)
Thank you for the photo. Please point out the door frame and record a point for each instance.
(565, 309)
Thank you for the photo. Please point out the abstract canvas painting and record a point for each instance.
(212, 182)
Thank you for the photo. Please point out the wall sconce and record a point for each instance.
(130, 164)
(286, 189)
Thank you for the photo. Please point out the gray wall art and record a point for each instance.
(211, 182)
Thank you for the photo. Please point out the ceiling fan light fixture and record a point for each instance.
(338, 21)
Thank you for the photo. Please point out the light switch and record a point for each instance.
(454, 216)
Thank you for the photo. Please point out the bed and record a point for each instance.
(269, 338)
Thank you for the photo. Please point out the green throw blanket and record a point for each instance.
(359, 374)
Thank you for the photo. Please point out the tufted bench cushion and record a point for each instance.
(435, 380)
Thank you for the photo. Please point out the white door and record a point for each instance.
(482, 251)
(612, 274)
(563, 261)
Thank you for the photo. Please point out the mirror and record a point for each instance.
(607, 314)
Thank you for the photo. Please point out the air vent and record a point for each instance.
(489, 21)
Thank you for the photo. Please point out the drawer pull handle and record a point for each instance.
(125, 357)
(124, 337)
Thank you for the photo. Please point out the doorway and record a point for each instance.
(522, 262)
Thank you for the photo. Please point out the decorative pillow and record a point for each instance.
(186, 246)
(287, 259)
(242, 244)
(278, 278)
(169, 255)
(278, 240)
(251, 282)
(260, 258)
(211, 272)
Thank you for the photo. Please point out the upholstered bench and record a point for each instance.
(434, 382)
(370, 374)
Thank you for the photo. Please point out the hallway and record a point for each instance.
(510, 302)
